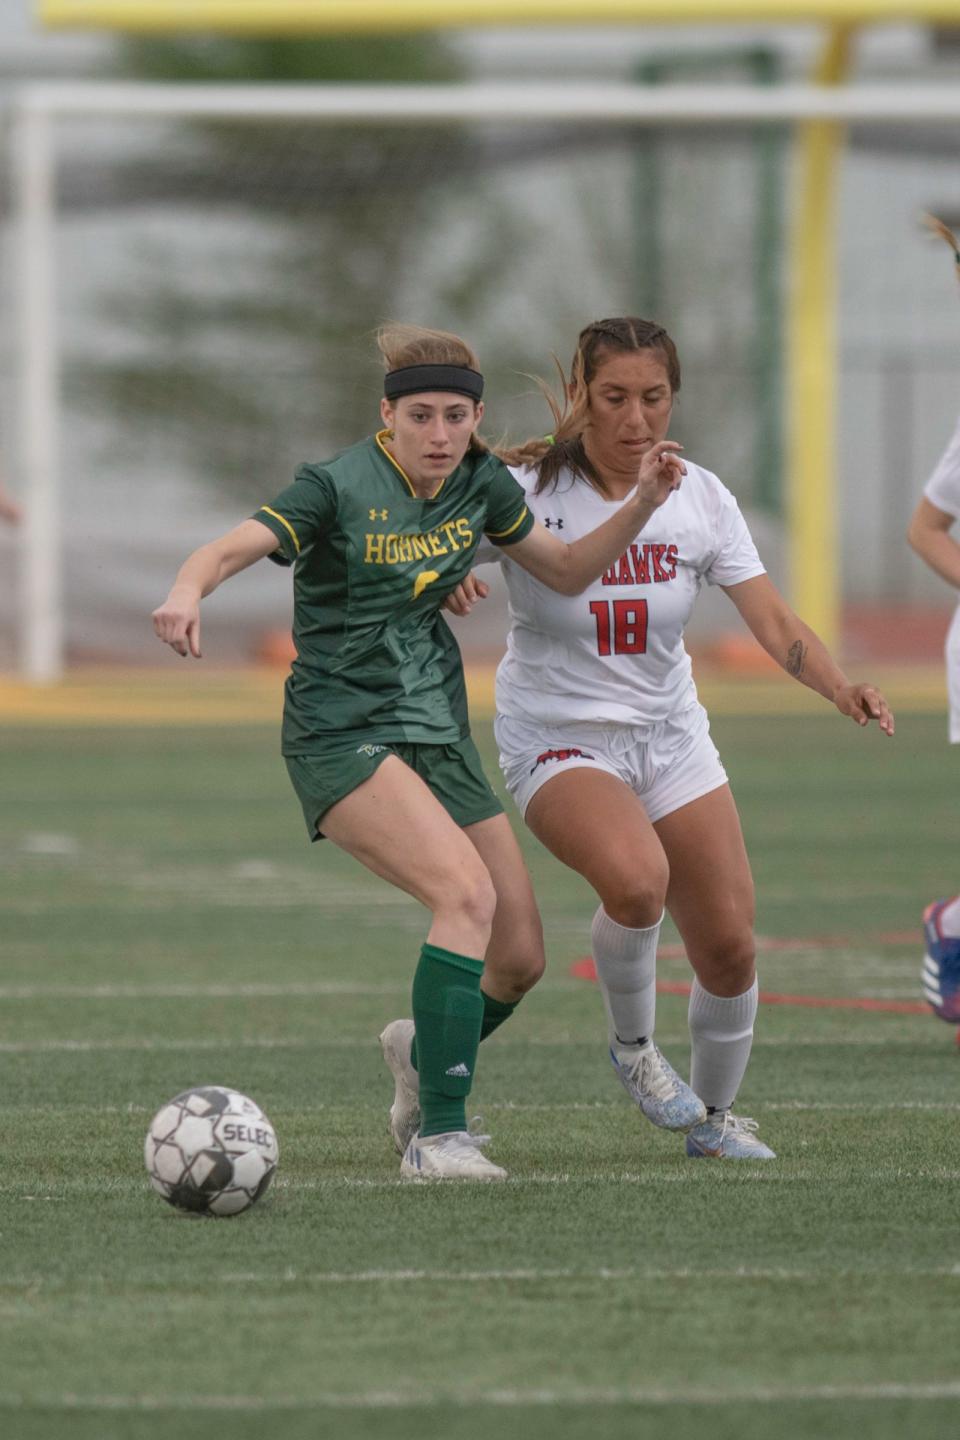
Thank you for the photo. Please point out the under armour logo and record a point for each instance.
(378, 514)
(548, 522)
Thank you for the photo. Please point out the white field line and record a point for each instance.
(344, 1042)
(199, 992)
(257, 990)
(850, 1107)
(575, 1396)
(519, 1276)
(745, 1174)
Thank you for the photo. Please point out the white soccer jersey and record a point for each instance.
(943, 490)
(943, 487)
(616, 653)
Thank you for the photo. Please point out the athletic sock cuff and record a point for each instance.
(731, 1008)
(498, 1010)
(450, 957)
(602, 921)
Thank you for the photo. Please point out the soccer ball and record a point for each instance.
(211, 1151)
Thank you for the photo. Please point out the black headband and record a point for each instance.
(412, 379)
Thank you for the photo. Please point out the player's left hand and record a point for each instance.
(462, 600)
(864, 703)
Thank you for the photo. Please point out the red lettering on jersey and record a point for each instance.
(610, 577)
(657, 553)
(671, 565)
(624, 575)
(640, 563)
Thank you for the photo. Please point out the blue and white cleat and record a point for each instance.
(395, 1041)
(941, 965)
(725, 1136)
(654, 1085)
(455, 1155)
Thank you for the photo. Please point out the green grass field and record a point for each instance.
(165, 923)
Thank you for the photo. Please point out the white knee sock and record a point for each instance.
(721, 1033)
(626, 962)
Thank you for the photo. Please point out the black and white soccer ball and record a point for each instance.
(211, 1151)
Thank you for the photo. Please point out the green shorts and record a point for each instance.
(453, 773)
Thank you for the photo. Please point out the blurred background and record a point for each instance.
(218, 283)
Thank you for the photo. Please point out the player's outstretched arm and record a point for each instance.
(569, 569)
(928, 533)
(803, 654)
(177, 621)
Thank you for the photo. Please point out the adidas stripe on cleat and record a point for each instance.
(455, 1155)
(941, 965)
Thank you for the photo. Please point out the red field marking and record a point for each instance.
(811, 942)
(586, 970)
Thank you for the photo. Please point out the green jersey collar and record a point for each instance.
(381, 438)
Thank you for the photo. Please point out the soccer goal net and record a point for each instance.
(197, 278)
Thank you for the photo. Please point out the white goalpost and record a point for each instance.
(37, 111)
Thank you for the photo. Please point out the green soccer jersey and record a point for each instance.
(373, 562)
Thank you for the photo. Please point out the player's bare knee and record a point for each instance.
(474, 898)
(525, 965)
(636, 900)
(730, 966)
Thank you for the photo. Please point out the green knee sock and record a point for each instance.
(494, 1014)
(448, 1015)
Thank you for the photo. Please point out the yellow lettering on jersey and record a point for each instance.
(425, 578)
(393, 549)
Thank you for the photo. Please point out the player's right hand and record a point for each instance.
(177, 623)
(462, 600)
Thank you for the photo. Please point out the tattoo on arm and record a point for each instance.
(796, 656)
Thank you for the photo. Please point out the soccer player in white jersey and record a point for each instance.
(605, 746)
(929, 533)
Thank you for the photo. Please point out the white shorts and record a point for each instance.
(665, 765)
(952, 650)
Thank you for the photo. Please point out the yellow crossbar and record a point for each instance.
(313, 17)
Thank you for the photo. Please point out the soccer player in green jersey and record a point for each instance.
(375, 730)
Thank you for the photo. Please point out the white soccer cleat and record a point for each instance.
(654, 1085)
(395, 1041)
(454, 1155)
(724, 1136)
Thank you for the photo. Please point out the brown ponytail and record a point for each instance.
(938, 228)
